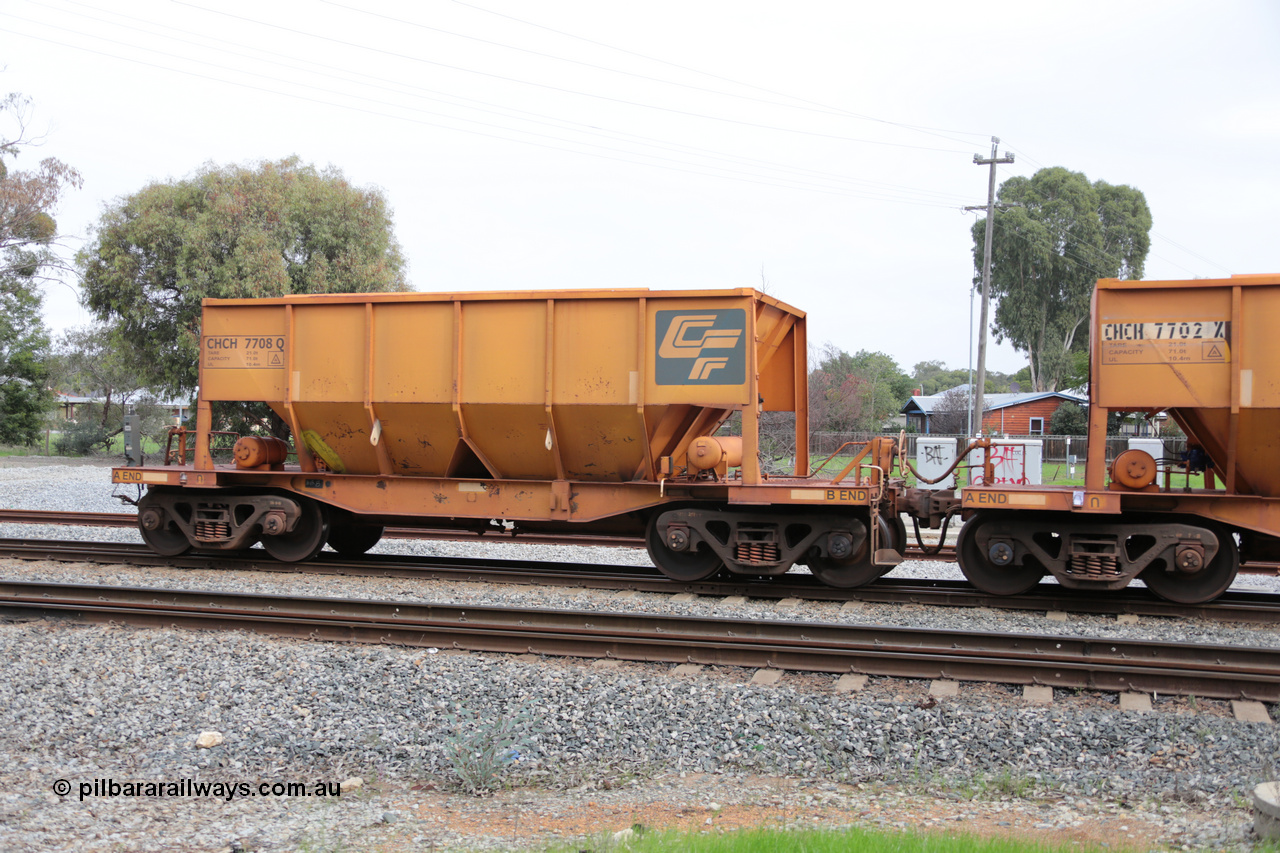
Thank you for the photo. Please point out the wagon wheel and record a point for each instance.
(167, 540)
(986, 575)
(1206, 584)
(857, 569)
(307, 537)
(352, 540)
(686, 566)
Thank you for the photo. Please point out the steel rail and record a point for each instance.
(130, 520)
(1244, 607)
(945, 554)
(1226, 672)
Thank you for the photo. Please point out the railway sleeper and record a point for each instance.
(1097, 556)
(758, 542)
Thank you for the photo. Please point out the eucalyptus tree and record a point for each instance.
(269, 229)
(28, 260)
(1055, 235)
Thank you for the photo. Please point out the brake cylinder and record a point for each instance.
(706, 453)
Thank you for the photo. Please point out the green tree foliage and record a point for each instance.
(98, 361)
(25, 398)
(1062, 234)
(231, 232)
(855, 393)
(96, 426)
(933, 377)
(28, 237)
(1069, 419)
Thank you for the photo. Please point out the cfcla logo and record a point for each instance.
(690, 335)
(714, 340)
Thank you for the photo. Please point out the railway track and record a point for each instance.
(1259, 608)
(1225, 672)
(130, 520)
(945, 554)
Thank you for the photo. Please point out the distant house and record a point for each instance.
(1018, 413)
(69, 405)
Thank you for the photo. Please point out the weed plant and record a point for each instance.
(481, 751)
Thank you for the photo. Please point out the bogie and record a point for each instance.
(290, 527)
(691, 543)
(1187, 560)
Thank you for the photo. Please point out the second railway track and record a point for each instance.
(1247, 607)
(1216, 671)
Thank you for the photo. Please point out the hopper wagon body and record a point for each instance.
(550, 412)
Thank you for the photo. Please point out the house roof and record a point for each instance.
(990, 402)
(166, 401)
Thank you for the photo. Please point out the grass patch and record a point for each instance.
(150, 446)
(819, 841)
(22, 451)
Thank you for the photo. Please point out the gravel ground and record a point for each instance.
(599, 746)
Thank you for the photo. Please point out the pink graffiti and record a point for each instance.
(1002, 456)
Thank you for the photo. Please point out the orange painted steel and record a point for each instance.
(553, 405)
(590, 386)
(1207, 352)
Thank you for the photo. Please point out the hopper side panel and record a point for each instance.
(1258, 349)
(343, 427)
(330, 352)
(420, 438)
(600, 443)
(413, 352)
(244, 353)
(503, 352)
(512, 439)
(595, 360)
(1162, 348)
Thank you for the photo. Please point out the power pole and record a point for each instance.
(992, 161)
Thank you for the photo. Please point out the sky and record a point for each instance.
(820, 151)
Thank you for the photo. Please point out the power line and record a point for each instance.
(670, 164)
(871, 189)
(578, 62)
(553, 88)
(918, 128)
